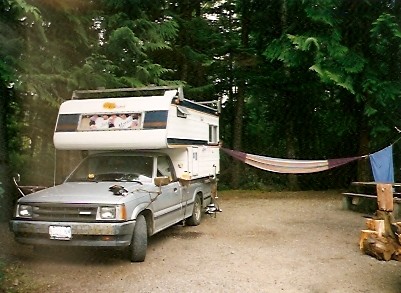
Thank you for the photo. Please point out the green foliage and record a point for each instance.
(123, 42)
(385, 22)
(322, 13)
(355, 68)
(335, 77)
(97, 71)
(315, 73)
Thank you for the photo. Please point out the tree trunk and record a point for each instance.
(6, 191)
(290, 138)
(237, 135)
(240, 96)
(290, 142)
(363, 172)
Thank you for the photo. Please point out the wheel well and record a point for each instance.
(200, 196)
(149, 220)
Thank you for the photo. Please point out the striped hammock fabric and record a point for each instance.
(289, 166)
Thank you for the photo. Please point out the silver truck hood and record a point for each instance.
(88, 192)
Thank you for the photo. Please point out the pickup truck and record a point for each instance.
(112, 199)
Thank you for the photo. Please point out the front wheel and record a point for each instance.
(139, 242)
(195, 218)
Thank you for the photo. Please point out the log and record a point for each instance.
(382, 239)
(375, 225)
(388, 220)
(397, 231)
(364, 235)
(382, 248)
(397, 254)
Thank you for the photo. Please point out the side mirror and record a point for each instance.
(17, 178)
(162, 181)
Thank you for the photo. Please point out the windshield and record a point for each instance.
(114, 168)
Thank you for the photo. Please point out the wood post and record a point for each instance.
(385, 197)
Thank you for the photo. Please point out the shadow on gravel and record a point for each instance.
(91, 255)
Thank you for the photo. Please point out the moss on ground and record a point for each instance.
(13, 280)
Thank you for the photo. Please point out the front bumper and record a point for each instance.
(83, 234)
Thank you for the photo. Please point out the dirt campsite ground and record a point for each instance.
(261, 242)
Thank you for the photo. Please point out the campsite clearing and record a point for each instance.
(261, 242)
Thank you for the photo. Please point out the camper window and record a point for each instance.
(109, 121)
(67, 122)
(163, 166)
(213, 136)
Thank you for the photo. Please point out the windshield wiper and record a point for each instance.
(129, 177)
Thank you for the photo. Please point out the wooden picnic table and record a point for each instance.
(374, 183)
(352, 198)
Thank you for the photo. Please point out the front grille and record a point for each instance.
(64, 212)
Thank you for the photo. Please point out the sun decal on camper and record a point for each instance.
(109, 105)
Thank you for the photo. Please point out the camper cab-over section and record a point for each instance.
(157, 118)
(147, 118)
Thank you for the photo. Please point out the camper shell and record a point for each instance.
(161, 118)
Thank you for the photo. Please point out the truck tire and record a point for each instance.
(195, 218)
(139, 242)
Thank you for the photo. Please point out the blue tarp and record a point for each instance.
(382, 165)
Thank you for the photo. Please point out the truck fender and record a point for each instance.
(139, 208)
(145, 210)
(205, 190)
(196, 191)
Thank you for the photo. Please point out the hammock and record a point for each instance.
(287, 165)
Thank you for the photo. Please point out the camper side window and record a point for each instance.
(213, 134)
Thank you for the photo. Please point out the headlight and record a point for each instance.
(112, 213)
(107, 213)
(24, 211)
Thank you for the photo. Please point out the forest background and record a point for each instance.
(302, 79)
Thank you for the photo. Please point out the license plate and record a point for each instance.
(60, 232)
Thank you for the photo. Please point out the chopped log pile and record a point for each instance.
(382, 236)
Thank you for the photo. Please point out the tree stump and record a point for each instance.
(381, 240)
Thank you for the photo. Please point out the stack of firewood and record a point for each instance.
(382, 238)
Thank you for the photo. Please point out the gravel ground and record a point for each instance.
(261, 242)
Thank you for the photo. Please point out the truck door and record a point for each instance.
(168, 206)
